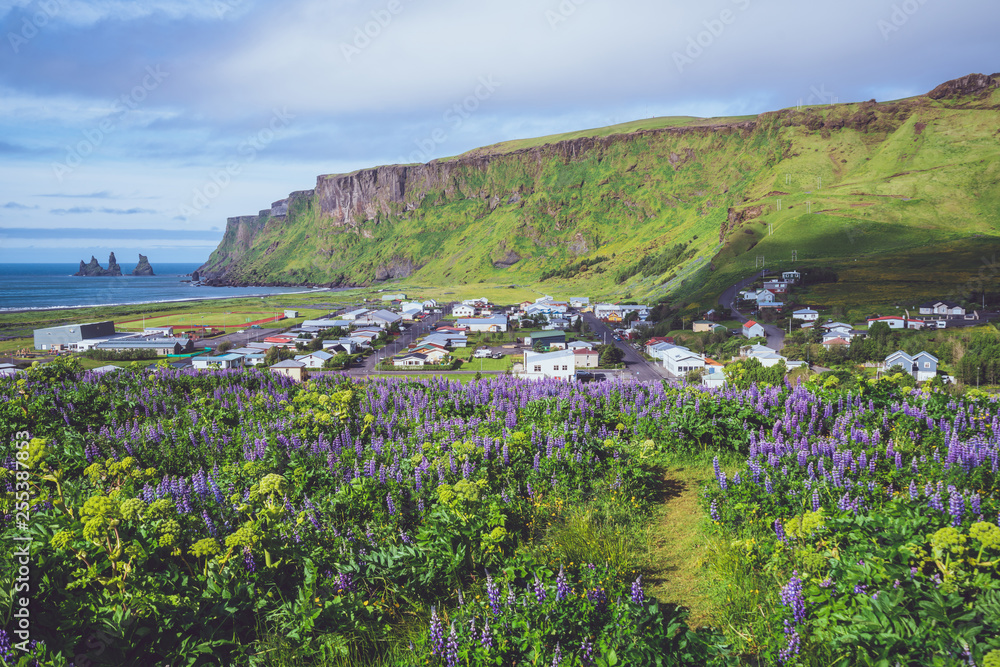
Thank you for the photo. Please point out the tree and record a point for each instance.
(224, 347)
(337, 361)
(748, 372)
(276, 354)
(610, 355)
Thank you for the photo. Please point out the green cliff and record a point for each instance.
(667, 206)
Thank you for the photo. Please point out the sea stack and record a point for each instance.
(94, 268)
(143, 268)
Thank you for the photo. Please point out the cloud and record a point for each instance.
(9, 148)
(18, 207)
(103, 194)
(126, 211)
(74, 233)
(76, 210)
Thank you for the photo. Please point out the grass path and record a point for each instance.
(678, 545)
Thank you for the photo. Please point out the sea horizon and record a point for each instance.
(52, 285)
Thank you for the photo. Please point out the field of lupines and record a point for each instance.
(240, 518)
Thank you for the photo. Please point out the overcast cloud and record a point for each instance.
(147, 99)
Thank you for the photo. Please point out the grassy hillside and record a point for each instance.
(885, 194)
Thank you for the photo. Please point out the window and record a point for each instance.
(565, 367)
(927, 364)
(538, 368)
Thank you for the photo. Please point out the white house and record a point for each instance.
(753, 329)
(894, 321)
(579, 301)
(354, 314)
(314, 360)
(806, 315)
(325, 324)
(560, 365)
(678, 361)
(231, 360)
(941, 308)
(429, 304)
(922, 366)
(791, 276)
(839, 327)
(410, 359)
(493, 324)
(580, 345)
(765, 296)
(464, 311)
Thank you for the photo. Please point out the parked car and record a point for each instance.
(497, 355)
(482, 353)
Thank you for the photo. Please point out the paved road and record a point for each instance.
(775, 335)
(409, 335)
(635, 365)
(238, 339)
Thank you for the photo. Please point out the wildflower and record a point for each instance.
(638, 596)
(779, 530)
(451, 648)
(562, 586)
(791, 597)
(437, 634)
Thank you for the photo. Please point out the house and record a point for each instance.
(161, 346)
(941, 308)
(481, 302)
(776, 286)
(753, 329)
(164, 332)
(748, 295)
(231, 360)
(280, 339)
(429, 304)
(765, 296)
(836, 326)
(410, 359)
(293, 369)
(555, 340)
(679, 361)
(702, 325)
(580, 345)
(559, 365)
(320, 325)
(557, 324)
(348, 345)
(922, 366)
(291, 314)
(768, 357)
(805, 314)
(894, 321)
(494, 324)
(586, 357)
(579, 301)
(380, 318)
(315, 359)
(659, 350)
(835, 342)
(100, 370)
(464, 311)
(791, 276)
(433, 353)
(831, 335)
(354, 314)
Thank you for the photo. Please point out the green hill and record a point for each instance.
(900, 198)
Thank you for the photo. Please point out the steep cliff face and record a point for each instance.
(500, 212)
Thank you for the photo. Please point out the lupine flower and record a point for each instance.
(713, 511)
(779, 530)
(562, 586)
(791, 597)
(793, 643)
(557, 656)
(638, 595)
(437, 634)
(539, 590)
(493, 593)
(486, 637)
(451, 648)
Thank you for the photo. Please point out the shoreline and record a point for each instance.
(16, 310)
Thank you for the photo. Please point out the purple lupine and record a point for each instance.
(486, 636)
(493, 593)
(539, 590)
(587, 652)
(451, 648)
(557, 656)
(791, 597)
(638, 595)
(562, 586)
(389, 504)
(815, 500)
(793, 643)
(598, 597)
(779, 531)
(768, 486)
(713, 511)
(956, 507)
(248, 562)
(437, 634)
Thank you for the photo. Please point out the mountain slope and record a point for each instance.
(696, 200)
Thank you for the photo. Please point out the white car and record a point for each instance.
(482, 353)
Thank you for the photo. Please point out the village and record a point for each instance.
(570, 339)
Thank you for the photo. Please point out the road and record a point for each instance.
(635, 365)
(409, 335)
(775, 335)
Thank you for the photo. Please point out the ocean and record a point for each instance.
(33, 286)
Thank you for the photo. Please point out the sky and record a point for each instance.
(141, 125)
